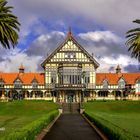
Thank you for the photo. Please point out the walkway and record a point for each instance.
(71, 127)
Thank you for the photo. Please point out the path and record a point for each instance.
(71, 127)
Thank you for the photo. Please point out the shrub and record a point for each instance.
(30, 131)
(112, 131)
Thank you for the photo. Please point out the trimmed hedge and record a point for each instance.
(30, 131)
(112, 131)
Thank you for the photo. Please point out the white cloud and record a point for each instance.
(10, 60)
(14, 58)
(116, 15)
(31, 58)
(107, 62)
(97, 36)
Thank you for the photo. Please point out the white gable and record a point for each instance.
(70, 52)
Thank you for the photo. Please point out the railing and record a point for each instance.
(69, 85)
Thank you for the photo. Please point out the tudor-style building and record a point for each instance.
(70, 76)
(69, 71)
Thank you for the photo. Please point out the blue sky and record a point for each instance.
(98, 25)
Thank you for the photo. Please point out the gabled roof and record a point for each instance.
(69, 38)
(1, 80)
(26, 78)
(34, 80)
(17, 79)
(113, 78)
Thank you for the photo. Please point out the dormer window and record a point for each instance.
(1, 83)
(105, 84)
(121, 83)
(34, 84)
(18, 83)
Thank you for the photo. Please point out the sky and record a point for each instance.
(98, 25)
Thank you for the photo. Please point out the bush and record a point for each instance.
(111, 130)
(30, 131)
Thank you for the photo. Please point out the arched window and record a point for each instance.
(105, 84)
(1, 83)
(34, 83)
(121, 83)
(17, 83)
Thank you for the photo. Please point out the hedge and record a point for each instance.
(30, 131)
(112, 131)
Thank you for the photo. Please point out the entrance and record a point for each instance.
(70, 96)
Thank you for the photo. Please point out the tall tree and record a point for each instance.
(9, 26)
(133, 41)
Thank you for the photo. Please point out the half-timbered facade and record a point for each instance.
(70, 76)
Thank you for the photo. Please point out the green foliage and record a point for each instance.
(112, 131)
(30, 131)
(17, 114)
(118, 119)
(9, 26)
(133, 42)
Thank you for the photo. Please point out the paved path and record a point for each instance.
(71, 127)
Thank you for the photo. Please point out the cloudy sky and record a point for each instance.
(98, 25)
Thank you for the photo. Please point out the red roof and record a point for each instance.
(26, 78)
(113, 78)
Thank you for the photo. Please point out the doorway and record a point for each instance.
(70, 96)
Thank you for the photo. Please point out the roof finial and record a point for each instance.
(118, 69)
(69, 33)
(70, 29)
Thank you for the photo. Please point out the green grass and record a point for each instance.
(124, 115)
(17, 114)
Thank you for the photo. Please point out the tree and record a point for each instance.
(9, 26)
(133, 41)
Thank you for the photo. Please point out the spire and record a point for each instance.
(21, 68)
(118, 69)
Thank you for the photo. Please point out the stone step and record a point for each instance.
(70, 107)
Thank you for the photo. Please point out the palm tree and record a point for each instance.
(133, 42)
(9, 26)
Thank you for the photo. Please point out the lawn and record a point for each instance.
(124, 115)
(17, 114)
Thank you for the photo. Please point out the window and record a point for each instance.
(138, 85)
(53, 77)
(105, 84)
(1, 83)
(87, 77)
(18, 84)
(34, 84)
(70, 75)
(121, 83)
(70, 55)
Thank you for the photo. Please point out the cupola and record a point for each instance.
(21, 69)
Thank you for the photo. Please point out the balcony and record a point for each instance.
(69, 86)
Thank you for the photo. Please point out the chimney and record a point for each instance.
(118, 69)
(21, 69)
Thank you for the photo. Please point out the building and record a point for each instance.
(70, 76)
